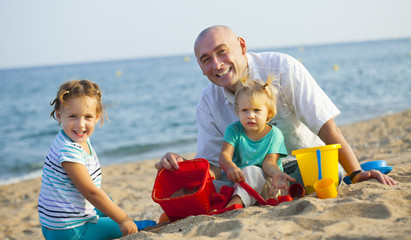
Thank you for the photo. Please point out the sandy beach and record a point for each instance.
(367, 210)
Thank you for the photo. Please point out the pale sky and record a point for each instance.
(51, 32)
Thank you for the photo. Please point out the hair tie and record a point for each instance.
(98, 93)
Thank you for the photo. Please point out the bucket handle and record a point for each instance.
(320, 176)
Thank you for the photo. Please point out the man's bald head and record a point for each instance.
(215, 28)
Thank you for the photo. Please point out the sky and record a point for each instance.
(52, 32)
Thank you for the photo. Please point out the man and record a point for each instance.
(305, 113)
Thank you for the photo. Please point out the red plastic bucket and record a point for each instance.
(193, 185)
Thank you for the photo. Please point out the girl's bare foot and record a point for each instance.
(235, 200)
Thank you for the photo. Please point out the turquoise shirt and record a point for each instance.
(252, 153)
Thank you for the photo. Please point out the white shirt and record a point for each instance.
(302, 106)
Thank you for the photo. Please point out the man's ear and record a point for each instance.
(243, 45)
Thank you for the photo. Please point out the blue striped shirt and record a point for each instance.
(61, 205)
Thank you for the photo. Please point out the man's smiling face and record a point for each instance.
(221, 56)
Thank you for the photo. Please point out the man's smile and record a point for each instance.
(224, 73)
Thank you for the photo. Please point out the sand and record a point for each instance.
(367, 210)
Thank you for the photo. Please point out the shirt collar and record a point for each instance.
(229, 96)
(253, 69)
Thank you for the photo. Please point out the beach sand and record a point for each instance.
(367, 210)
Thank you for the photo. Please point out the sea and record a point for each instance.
(150, 102)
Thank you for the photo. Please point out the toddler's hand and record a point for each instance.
(128, 227)
(279, 183)
(235, 174)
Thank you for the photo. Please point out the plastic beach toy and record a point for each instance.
(190, 191)
(163, 218)
(366, 166)
(310, 169)
(144, 224)
(195, 184)
(255, 194)
(294, 191)
(380, 165)
(221, 199)
(325, 188)
(223, 210)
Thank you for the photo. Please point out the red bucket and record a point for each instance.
(184, 192)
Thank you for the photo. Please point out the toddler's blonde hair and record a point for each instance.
(259, 93)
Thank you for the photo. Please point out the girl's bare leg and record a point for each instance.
(235, 200)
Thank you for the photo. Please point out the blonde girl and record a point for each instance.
(71, 204)
(252, 147)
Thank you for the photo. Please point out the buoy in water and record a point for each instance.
(336, 67)
(119, 73)
(186, 58)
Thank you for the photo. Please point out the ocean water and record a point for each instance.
(150, 103)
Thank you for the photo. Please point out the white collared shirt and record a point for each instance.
(302, 106)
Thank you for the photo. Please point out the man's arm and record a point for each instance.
(331, 134)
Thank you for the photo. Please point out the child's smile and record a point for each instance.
(78, 118)
(79, 133)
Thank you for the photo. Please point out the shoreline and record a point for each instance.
(36, 174)
(361, 210)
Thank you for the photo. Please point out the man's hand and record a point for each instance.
(169, 161)
(382, 178)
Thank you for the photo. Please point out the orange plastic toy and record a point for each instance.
(163, 218)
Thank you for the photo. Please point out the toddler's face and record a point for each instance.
(78, 118)
(252, 117)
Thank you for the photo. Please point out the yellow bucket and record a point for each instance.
(308, 160)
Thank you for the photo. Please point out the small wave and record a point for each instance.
(15, 179)
(40, 134)
(138, 149)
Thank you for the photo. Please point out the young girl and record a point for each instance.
(70, 189)
(252, 148)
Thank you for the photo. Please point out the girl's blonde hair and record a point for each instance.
(76, 89)
(259, 93)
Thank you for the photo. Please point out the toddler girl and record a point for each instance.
(71, 204)
(252, 148)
